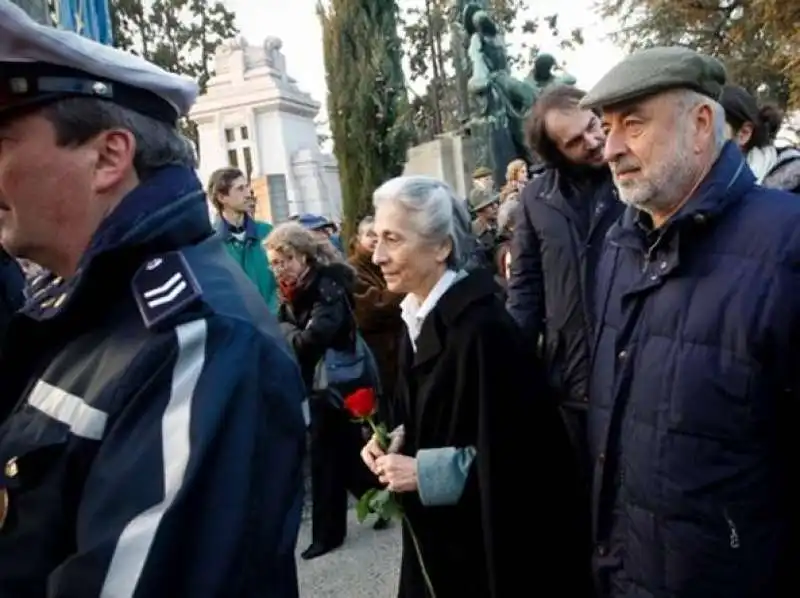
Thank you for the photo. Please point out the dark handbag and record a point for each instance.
(341, 372)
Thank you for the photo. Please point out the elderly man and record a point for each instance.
(151, 430)
(695, 383)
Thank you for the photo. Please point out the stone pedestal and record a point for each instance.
(254, 117)
(450, 157)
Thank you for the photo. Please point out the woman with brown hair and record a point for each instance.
(516, 178)
(315, 315)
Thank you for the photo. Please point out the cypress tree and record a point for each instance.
(367, 101)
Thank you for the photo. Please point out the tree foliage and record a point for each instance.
(432, 35)
(179, 35)
(366, 98)
(758, 40)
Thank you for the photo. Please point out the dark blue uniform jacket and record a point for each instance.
(152, 433)
(695, 387)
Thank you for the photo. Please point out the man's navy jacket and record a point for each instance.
(152, 432)
(695, 396)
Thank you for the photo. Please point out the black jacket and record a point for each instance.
(152, 435)
(320, 316)
(555, 251)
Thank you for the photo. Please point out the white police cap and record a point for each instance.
(41, 64)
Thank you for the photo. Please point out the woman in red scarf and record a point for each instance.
(315, 314)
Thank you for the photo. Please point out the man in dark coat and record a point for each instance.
(12, 284)
(151, 431)
(695, 385)
(559, 229)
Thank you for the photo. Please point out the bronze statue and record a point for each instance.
(542, 76)
(504, 100)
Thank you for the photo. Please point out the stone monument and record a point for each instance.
(253, 116)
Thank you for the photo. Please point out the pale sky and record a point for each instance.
(296, 23)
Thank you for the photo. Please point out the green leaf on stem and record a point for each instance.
(385, 505)
(383, 436)
(391, 508)
(363, 506)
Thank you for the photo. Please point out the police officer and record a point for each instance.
(151, 432)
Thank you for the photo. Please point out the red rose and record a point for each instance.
(361, 403)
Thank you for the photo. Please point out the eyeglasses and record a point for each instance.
(281, 264)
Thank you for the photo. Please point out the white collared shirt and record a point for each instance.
(414, 313)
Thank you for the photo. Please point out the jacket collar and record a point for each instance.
(165, 213)
(564, 189)
(475, 287)
(225, 230)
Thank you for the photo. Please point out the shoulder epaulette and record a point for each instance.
(163, 287)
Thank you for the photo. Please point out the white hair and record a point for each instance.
(689, 99)
(436, 213)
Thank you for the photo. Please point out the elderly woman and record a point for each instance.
(478, 462)
(315, 315)
(377, 308)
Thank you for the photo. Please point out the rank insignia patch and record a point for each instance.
(164, 286)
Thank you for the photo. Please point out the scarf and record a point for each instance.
(290, 289)
(761, 161)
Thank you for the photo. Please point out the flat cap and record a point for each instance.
(41, 64)
(481, 198)
(654, 70)
(482, 171)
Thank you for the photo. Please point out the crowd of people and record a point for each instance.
(587, 375)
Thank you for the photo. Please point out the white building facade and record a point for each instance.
(253, 116)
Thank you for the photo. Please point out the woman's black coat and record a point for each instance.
(473, 382)
(320, 316)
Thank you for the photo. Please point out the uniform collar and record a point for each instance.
(166, 212)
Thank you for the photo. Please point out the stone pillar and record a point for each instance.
(448, 157)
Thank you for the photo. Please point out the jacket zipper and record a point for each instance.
(734, 534)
